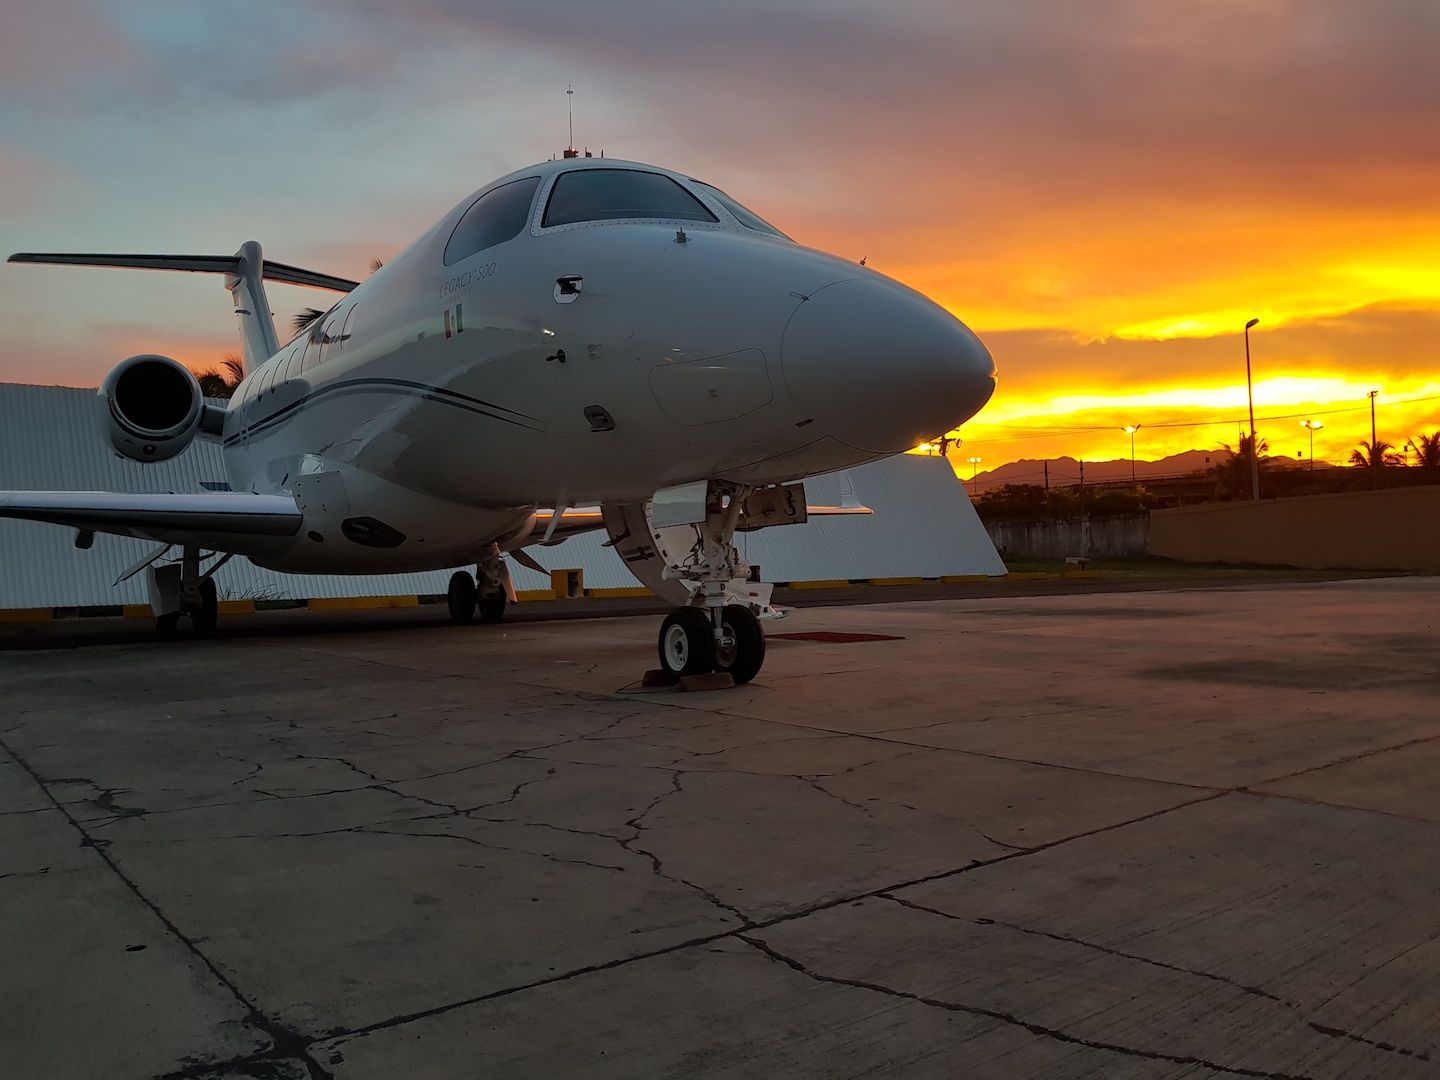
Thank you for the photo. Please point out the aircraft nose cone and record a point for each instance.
(881, 368)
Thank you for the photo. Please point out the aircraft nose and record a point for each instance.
(881, 368)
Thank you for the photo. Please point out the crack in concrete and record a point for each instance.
(813, 780)
(657, 864)
(1000, 843)
(1246, 988)
(515, 792)
(1338, 1033)
(550, 856)
(1010, 1019)
(979, 921)
(266, 797)
(284, 1041)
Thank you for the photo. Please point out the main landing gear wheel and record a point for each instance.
(460, 597)
(740, 651)
(190, 595)
(204, 618)
(492, 607)
(687, 642)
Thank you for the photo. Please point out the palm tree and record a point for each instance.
(307, 317)
(1232, 475)
(1427, 451)
(221, 382)
(1375, 456)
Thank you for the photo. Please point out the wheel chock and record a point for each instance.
(714, 680)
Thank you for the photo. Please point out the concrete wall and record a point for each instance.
(1113, 537)
(1397, 529)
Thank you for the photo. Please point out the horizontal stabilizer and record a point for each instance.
(195, 264)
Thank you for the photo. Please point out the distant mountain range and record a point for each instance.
(1066, 470)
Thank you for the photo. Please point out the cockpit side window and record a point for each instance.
(610, 194)
(745, 216)
(498, 215)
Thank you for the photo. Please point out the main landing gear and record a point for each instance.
(486, 594)
(182, 589)
(708, 634)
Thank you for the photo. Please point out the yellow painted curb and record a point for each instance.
(136, 611)
(837, 583)
(27, 615)
(361, 603)
(237, 607)
(615, 594)
(535, 594)
(896, 581)
(1039, 575)
(964, 579)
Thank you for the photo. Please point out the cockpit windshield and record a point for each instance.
(745, 216)
(607, 194)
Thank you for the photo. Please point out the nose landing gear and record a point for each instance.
(707, 634)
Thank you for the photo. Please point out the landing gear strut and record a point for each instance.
(487, 593)
(708, 634)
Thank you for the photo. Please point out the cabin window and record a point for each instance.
(742, 214)
(292, 363)
(345, 329)
(326, 339)
(610, 194)
(498, 215)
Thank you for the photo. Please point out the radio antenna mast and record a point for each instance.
(570, 150)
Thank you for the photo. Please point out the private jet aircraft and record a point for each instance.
(587, 343)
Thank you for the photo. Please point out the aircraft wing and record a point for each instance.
(236, 522)
(579, 519)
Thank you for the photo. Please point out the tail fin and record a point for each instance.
(245, 274)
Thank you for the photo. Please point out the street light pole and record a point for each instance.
(1250, 393)
(1314, 426)
(1130, 430)
(974, 468)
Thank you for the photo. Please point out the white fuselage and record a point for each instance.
(435, 399)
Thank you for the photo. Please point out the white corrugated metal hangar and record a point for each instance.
(51, 438)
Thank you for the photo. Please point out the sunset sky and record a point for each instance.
(1105, 190)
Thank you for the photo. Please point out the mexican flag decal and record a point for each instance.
(453, 323)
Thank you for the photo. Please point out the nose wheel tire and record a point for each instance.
(687, 642)
(460, 597)
(741, 650)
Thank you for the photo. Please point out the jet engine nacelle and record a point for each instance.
(154, 407)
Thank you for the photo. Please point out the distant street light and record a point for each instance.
(1314, 426)
(1130, 430)
(974, 468)
(1250, 393)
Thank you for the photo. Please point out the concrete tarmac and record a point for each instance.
(1155, 834)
